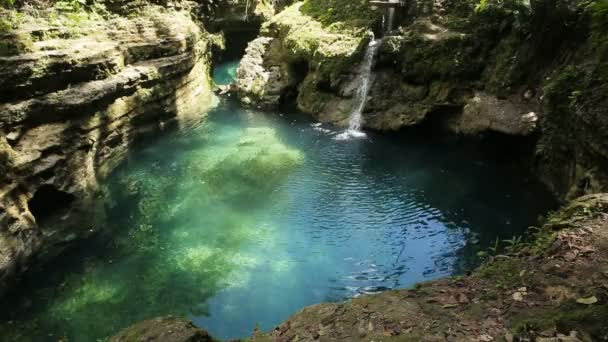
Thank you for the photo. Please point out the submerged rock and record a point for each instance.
(255, 164)
(163, 329)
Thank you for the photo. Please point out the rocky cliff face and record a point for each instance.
(303, 54)
(73, 99)
(427, 67)
(466, 67)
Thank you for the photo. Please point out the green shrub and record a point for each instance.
(7, 3)
(352, 13)
(9, 20)
(599, 23)
(492, 18)
(70, 5)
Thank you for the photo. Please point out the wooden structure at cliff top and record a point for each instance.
(387, 3)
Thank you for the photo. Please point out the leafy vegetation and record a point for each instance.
(491, 16)
(9, 20)
(7, 3)
(70, 15)
(356, 14)
(535, 242)
(504, 273)
(561, 97)
(599, 23)
(589, 319)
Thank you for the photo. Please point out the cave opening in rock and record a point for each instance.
(438, 119)
(49, 201)
(236, 43)
(298, 70)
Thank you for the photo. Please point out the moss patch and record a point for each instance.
(504, 273)
(330, 45)
(589, 320)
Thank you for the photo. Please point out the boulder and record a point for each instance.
(163, 329)
(484, 112)
(253, 166)
(257, 83)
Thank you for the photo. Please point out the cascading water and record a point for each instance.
(391, 19)
(364, 79)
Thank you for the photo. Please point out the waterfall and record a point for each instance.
(364, 79)
(391, 15)
(391, 18)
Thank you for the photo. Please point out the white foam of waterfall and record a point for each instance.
(365, 78)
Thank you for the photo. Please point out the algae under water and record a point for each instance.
(245, 217)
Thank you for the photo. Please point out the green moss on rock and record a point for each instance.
(312, 48)
(504, 273)
(425, 60)
(354, 14)
(587, 320)
(166, 329)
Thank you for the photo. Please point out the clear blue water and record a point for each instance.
(226, 73)
(246, 217)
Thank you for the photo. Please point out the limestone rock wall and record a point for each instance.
(302, 56)
(523, 70)
(465, 67)
(71, 106)
(424, 67)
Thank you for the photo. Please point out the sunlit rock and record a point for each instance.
(303, 50)
(255, 81)
(485, 112)
(75, 93)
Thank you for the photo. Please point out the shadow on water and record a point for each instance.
(226, 221)
(482, 186)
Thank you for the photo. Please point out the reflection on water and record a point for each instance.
(246, 218)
